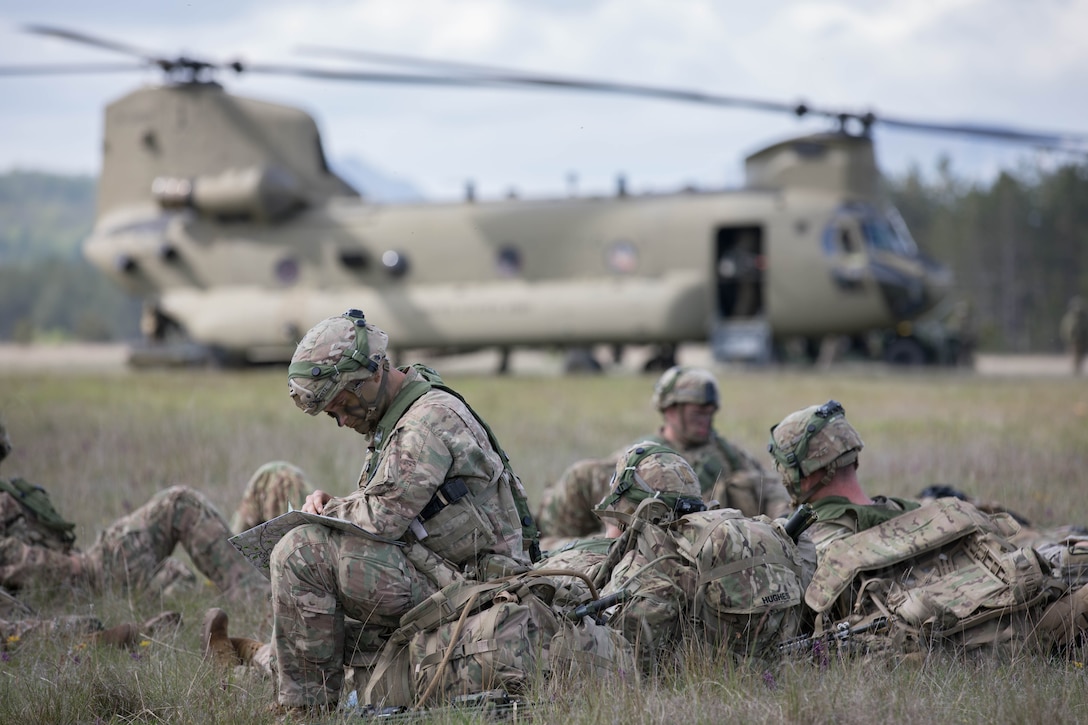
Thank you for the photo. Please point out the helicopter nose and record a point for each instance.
(911, 288)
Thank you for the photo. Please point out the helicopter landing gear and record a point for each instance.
(504, 361)
(905, 351)
(663, 358)
(581, 360)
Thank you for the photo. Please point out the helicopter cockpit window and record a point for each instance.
(622, 257)
(287, 270)
(842, 235)
(395, 263)
(508, 262)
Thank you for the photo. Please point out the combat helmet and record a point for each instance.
(650, 470)
(681, 384)
(335, 352)
(808, 440)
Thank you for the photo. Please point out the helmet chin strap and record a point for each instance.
(829, 473)
(376, 407)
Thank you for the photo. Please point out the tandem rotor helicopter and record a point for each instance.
(221, 213)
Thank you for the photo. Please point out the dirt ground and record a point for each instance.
(113, 358)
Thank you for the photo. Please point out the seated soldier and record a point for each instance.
(940, 573)
(687, 398)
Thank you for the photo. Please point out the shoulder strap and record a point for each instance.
(413, 392)
(408, 394)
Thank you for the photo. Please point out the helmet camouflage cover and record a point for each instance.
(648, 470)
(811, 439)
(685, 385)
(335, 352)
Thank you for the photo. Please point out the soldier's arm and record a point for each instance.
(412, 466)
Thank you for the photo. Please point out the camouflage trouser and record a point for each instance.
(566, 509)
(274, 488)
(319, 577)
(133, 551)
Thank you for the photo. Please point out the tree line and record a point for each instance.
(1018, 247)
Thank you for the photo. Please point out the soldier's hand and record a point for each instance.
(315, 502)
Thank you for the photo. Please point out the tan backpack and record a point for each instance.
(736, 580)
(938, 571)
(470, 638)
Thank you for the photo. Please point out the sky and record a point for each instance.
(1004, 62)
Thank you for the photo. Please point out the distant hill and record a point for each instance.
(44, 215)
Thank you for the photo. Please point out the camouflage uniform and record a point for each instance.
(275, 488)
(726, 473)
(132, 553)
(321, 576)
(940, 574)
(837, 518)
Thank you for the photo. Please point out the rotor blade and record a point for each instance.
(69, 68)
(517, 78)
(413, 61)
(92, 41)
(368, 76)
(1051, 139)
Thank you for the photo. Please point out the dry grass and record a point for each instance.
(104, 443)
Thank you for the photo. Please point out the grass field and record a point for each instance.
(103, 443)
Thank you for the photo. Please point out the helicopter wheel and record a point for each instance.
(664, 357)
(581, 360)
(905, 351)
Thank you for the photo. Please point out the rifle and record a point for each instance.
(801, 519)
(592, 609)
(491, 706)
(840, 633)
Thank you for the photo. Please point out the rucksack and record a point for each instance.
(749, 585)
(735, 581)
(940, 570)
(471, 638)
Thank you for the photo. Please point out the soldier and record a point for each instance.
(940, 573)
(1074, 332)
(37, 546)
(437, 495)
(687, 398)
(275, 488)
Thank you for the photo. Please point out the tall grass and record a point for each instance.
(103, 444)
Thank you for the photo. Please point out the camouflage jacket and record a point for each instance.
(838, 518)
(435, 440)
(726, 474)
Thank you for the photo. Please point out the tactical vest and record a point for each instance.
(452, 490)
(940, 569)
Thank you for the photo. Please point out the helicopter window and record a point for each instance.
(287, 270)
(395, 263)
(508, 262)
(881, 233)
(622, 257)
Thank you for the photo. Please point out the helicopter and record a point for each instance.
(223, 215)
